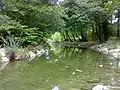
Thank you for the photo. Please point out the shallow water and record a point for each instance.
(70, 68)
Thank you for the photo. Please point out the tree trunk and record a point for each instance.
(93, 32)
(97, 31)
(105, 30)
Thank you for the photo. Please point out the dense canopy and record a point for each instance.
(34, 21)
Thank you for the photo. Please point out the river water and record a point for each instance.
(70, 68)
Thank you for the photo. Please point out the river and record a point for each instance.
(71, 68)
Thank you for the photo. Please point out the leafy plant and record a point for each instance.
(11, 45)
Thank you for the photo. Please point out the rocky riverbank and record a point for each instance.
(111, 47)
(19, 54)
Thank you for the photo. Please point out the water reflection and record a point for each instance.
(2, 65)
(69, 52)
(47, 54)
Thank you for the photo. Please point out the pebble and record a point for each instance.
(73, 73)
(100, 87)
(101, 66)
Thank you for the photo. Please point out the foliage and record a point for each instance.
(77, 20)
(10, 42)
(21, 33)
(112, 5)
(82, 14)
(56, 37)
(46, 18)
(34, 21)
(11, 45)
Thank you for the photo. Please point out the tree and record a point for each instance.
(83, 14)
(77, 20)
(38, 14)
(110, 7)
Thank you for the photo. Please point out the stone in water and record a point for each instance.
(100, 87)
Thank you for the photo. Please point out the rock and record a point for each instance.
(42, 50)
(116, 55)
(101, 66)
(105, 50)
(115, 50)
(55, 87)
(39, 53)
(30, 55)
(19, 57)
(100, 87)
(2, 52)
(110, 63)
(4, 59)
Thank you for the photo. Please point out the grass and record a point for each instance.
(11, 45)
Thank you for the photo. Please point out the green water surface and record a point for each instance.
(71, 68)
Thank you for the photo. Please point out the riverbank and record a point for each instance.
(78, 44)
(111, 47)
(12, 54)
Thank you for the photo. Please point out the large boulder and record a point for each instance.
(100, 87)
(2, 52)
(3, 57)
